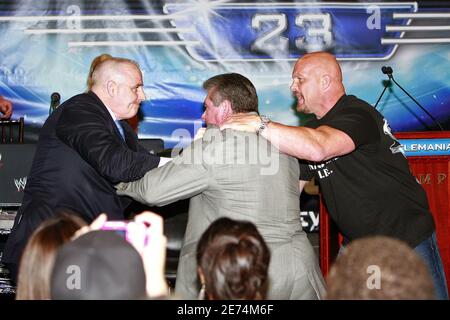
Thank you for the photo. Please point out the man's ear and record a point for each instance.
(225, 110)
(111, 88)
(325, 82)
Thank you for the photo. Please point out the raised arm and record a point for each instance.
(172, 182)
(318, 144)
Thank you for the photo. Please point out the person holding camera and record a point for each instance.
(117, 263)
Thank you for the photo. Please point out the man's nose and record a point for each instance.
(141, 94)
(293, 86)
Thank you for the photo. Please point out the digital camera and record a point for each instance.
(131, 231)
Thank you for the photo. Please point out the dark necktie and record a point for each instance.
(119, 127)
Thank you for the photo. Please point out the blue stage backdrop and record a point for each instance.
(47, 46)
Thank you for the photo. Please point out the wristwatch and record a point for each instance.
(263, 124)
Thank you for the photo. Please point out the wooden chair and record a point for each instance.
(11, 129)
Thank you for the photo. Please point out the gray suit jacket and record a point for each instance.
(241, 176)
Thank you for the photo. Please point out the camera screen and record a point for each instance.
(119, 227)
(121, 233)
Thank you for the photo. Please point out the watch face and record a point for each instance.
(263, 124)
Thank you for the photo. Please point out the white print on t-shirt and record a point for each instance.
(395, 147)
(321, 169)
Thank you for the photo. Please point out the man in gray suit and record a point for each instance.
(241, 176)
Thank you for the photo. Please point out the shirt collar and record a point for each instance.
(113, 116)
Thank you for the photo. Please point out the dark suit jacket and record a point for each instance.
(79, 158)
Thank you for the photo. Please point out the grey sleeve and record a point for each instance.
(179, 179)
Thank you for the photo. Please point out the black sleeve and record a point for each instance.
(358, 124)
(306, 173)
(86, 130)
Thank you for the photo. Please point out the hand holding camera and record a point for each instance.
(153, 253)
(145, 233)
(132, 231)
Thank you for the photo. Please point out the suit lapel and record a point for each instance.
(130, 139)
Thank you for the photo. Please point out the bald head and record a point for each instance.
(317, 83)
(118, 84)
(323, 63)
(97, 61)
(112, 69)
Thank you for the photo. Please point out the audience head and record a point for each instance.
(39, 255)
(227, 94)
(98, 265)
(118, 83)
(379, 268)
(233, 261)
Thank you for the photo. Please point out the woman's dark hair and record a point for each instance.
(39, 255)
(234, 260)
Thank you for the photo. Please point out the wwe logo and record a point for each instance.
(20, 183)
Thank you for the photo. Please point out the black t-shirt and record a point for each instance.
(371, 190)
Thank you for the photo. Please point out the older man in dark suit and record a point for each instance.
(84, 148)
